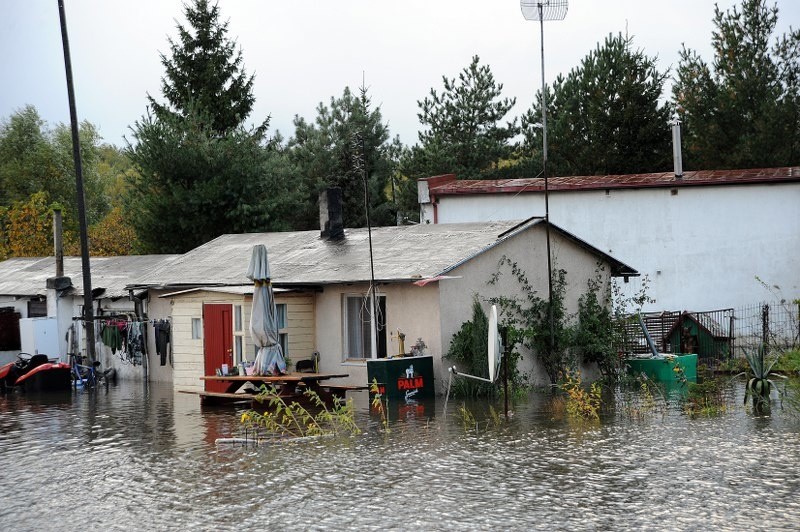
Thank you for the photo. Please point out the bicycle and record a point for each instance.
(82, 375)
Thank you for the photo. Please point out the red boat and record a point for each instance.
(35, 374)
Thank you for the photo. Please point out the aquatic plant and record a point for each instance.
(293, 420)
(581, 403)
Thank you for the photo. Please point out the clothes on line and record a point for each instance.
(162, 341)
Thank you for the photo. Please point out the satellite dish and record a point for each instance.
(495, 350)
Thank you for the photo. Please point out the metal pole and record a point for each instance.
(546, 192)
(504, 333)
(88, 312)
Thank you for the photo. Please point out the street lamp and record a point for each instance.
(542, 10)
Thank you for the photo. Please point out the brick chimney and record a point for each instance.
(331, 221)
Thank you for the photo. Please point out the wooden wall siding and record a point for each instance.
(188, 352)
(300, 324)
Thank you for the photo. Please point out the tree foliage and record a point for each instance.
(347, 139)
(27, 228)
(194, 184)
(200, 172)
(604, 117)
(204, 74)
(35, 158)
(742, 110)
(464, 131)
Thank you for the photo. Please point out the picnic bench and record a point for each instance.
(290, 387)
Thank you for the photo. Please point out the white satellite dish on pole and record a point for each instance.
(495, 354)
(495, 357)
(495, 351)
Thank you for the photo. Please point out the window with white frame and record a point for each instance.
(283, 334)
(364, 323)
(238, 334)
(197, 329)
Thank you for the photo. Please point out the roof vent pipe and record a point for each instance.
(331, 219)
(676, 148)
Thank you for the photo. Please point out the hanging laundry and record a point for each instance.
(162, 340)
(135, 342)
(112, 337)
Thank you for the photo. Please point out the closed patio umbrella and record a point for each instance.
(263, 318)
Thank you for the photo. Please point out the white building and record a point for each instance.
(701, 239)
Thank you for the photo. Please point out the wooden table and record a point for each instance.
(288, 386)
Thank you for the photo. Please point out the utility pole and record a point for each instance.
(88, 311)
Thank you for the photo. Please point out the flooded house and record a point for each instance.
(41, 312)
(425, 278)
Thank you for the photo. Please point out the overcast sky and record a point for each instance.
(304, 52)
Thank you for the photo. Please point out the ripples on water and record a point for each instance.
(130, 459)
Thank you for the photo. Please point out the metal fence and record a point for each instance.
(714, 335)
(775, 324)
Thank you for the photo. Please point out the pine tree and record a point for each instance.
(464, 132)
(742, 111)
(604, 117)
(347, 139)
(204, 73)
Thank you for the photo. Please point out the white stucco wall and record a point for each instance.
(528, 251)
(411, 309)
(701, 248)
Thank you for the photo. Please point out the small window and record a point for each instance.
(197, 329)
(283, 339)
(237, 343)
(364, 336)
(237, 318)
(280, 315)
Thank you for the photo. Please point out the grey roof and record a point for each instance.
(400, 253)
(27, 276)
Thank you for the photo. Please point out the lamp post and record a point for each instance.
(542, 10)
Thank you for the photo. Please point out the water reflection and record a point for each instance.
(145, 458)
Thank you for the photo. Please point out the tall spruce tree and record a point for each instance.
(201, 172)
(464, 133)
(604, 117)
(205, 73)
(742, 111)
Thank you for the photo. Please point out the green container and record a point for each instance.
(402, 378)
(662, 369)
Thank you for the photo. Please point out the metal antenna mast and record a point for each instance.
(542, 10)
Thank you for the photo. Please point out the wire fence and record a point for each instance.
(715, 335)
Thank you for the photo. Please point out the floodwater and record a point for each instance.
(145, 459)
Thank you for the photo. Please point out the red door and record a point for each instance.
(218, 340)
